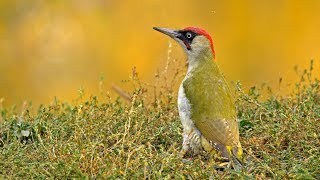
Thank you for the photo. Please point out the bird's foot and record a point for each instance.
(183, 153)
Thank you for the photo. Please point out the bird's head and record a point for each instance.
(195, 41)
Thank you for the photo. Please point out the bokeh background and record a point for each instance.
(52, 48)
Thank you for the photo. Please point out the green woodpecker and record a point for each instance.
(206, 107)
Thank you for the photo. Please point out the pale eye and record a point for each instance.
(189, 35)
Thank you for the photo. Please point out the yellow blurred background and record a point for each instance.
(51, 48)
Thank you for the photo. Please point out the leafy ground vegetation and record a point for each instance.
(140, 137)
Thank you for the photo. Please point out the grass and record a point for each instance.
(141, 138)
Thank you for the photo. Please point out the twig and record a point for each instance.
(121, 92)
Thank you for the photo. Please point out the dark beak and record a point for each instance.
(169, 32)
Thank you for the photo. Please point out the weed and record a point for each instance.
(104, 138)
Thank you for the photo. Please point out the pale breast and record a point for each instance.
(184, 108)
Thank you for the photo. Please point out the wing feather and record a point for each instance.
(213, 109)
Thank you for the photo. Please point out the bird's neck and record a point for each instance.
(199, 57)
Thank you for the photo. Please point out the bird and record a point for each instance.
(206, 107)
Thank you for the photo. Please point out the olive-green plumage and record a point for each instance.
(206, 107)
(213, 109)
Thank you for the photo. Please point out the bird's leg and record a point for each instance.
(185, 145)
(191, 142)
(194, 137)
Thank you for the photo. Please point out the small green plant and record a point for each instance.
(140, 137)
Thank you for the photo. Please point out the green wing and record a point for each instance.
(213, 109)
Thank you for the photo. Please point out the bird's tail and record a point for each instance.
(235, 155)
